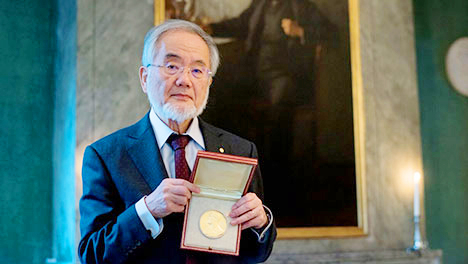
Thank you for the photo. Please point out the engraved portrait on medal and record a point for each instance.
(213, 224)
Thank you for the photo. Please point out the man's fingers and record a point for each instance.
(245, 199)
(181, 191)
(244, 208)
(245, 204)
(243, 218)
(247, 216)
(180, 194)
(173, 207)
(251, 223)
(192, 187)
(170, 196)
(248, 211)
(179, 199)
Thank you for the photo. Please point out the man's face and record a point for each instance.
(181, 96)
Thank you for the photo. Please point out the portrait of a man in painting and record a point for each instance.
(285, 83)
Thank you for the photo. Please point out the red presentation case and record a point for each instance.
(223, 179)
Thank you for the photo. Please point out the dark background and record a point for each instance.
(308, 163)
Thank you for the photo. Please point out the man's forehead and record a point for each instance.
(176, 44)
(172, 57)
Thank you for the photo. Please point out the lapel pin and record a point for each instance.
(221, 150)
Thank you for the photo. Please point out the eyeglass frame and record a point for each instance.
(208, 74)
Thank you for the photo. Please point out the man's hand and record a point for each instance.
(291, 28)
(171, 196)
(249, 212)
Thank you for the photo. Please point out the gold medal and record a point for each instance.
(213, 224)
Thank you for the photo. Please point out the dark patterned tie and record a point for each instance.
(178, 143)
(182, 171)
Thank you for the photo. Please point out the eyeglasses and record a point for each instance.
(171, 69)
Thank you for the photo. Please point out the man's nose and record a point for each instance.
(183, 78)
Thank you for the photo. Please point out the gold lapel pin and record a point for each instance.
(221, 150)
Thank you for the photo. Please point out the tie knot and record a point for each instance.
(178, 141)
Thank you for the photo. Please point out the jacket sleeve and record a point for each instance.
(253, 251)
(109, 231)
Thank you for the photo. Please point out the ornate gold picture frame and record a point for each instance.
(351, 98)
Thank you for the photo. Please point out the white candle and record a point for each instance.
(417, 179)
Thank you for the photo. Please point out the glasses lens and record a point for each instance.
(171, 68)
(198, 72)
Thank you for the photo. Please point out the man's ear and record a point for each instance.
(143, 74)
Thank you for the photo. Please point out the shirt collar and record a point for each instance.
(163, 132)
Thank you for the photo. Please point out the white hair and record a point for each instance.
(153, 35)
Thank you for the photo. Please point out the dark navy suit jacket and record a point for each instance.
(119, 170)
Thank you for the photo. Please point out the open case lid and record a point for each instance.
(222, 174)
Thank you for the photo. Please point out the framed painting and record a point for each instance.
(290, 81)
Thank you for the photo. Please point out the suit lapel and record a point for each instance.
(213, 138)
(144, 152)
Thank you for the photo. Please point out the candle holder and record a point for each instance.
(418, 244)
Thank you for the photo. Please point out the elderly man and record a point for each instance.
(134, 191)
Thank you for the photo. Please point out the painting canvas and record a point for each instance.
(285, 83)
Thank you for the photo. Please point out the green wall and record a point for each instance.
(444, 127)
(37, 69)
(26, 70)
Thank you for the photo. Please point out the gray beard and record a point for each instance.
(169, 111)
